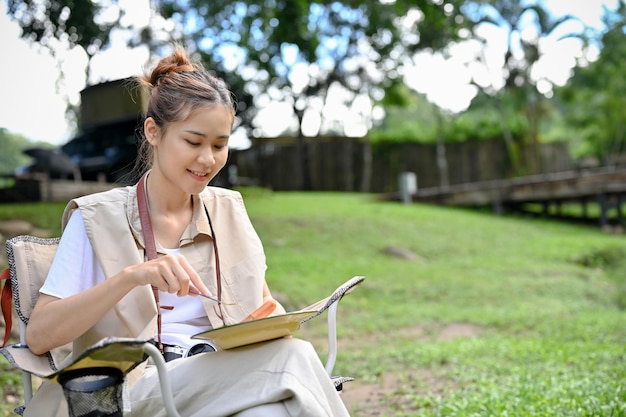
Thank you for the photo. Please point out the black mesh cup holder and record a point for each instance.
(93, 392)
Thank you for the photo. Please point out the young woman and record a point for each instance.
(132, 260)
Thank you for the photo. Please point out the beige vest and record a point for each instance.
(114, 229)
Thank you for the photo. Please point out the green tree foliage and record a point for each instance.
(409, 117)
(58, 24)
(288, 50)
(594, 100)
(520, 94)
(416, 121)
(296, 50)
(75, 22)
(12, 147)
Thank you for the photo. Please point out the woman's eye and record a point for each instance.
(192, 143)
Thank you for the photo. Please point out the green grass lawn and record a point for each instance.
(546, 301)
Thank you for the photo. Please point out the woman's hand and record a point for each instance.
(168, 273)
(265, 310)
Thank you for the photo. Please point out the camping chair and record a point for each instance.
(29, 259)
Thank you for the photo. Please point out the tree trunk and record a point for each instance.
(442, 161)
(303, 153)
(366, 176)
(509, 142)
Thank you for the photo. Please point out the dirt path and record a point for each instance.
(395, 390)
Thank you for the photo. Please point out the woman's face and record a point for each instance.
(189, 153)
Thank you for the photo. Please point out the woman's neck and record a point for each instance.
(170, 213)
(164, 200)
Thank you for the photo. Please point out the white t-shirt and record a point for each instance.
(75, 268)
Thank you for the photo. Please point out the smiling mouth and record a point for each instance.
(199, 174)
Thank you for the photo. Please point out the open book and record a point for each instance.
(274, 327)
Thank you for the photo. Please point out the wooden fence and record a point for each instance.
(334, 164)
(349, 164)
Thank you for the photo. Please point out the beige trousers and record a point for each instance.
(228, 382)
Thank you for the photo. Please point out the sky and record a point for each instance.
(33, 104)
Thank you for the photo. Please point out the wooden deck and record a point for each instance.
(605, 186)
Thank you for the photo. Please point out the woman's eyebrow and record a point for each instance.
(194, 132)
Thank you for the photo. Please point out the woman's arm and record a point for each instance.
(57, 321)
(76, 294)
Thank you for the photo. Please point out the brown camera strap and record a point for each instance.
(149, 242)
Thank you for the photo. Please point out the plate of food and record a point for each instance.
(255, 331)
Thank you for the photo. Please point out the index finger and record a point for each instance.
(195, 279)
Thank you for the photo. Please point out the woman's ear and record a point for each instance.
(151, 130)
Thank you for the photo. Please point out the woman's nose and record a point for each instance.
(206, 156)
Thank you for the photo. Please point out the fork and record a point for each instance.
(202, 295)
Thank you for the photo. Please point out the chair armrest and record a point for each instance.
(331, 303)
(164, 380)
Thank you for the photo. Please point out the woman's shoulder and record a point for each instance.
(116, 199)
(118, 194)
